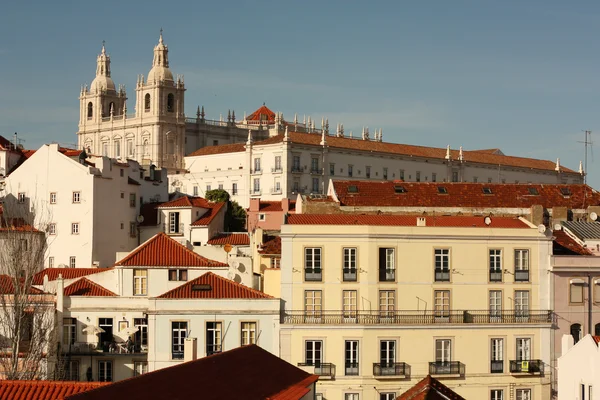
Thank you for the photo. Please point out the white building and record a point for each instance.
(579, 369)
(89, 204)
(290, 163)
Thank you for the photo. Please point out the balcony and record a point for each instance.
(527, 367)
(256, 171)
(296, 169)
(442, 275)
(522, 275)
(90, 349)
(275, 190)
(406, 317)
(349, 274)
(398, 370)
(316, 171)
(173, 229)
(324, 370)
(256, 192)
(276, 170)
(448, 369)
(351, 368)
(495, 275)
(497, 366)
(313, 274)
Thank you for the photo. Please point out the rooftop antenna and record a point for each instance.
(587, 141)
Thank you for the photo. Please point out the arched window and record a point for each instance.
(597, 330)
(147, 102)
(170, 102)
(117, 148)
(90, 110)
(111, 108)
(145, 147)
(576, 332)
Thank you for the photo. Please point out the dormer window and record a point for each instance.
(352, 189)
(399, 189)
(565, 191)
(533, 191)
(487, 190)
(174, 226)
(442, 190)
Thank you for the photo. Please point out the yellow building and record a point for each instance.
(374, 303)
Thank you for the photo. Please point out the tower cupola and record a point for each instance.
(102, 82)
(160, 64)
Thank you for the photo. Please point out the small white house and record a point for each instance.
(579, 369)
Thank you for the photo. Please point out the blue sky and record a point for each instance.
(521, 76)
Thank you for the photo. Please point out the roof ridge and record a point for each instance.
(85, 280)
(209, 275)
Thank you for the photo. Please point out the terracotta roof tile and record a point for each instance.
(429, 388)
(234, 239)
(210, 378)
(274, 206)
(596, 339)
(427, 194)
(404, 220)
(296, 391)
(67, 273)
(220, 288)
(7, 286)
(221, 149)
(209, 215)
(263, 110)
(188, 201)
(85, 287)
(565, 245)
(162, 251)
(44, 390)
(271, 245)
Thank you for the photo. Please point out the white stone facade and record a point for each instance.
(579, 369)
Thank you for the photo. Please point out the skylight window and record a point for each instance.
(399, 189)
(533, 191)
(352, 189)
(565, 191)
(442, 190)
(201, 287)
(487, 190)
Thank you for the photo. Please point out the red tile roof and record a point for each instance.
(67, 273)
(85, 287)
(162, 251)
(234, 239)
(220, 288)
(275, 206)
(429, 388)
(271, 246)
(188, 201)
(296, 391)
(209, 215)
(426, 194)
(596, 339)
(64, 150)
(7, 286)
(566, 245)
(256, 373)
(221, 149)
(403, 220)
(257, 115)
(44, 390)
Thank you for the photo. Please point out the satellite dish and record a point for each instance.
(487, 221)
(541, 228)
(140, 219)
(593, 216)
(557, 227)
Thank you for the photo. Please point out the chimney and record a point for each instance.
(421, 221)
(285, 205)
(254, 205)
(60, 292)
(190, 349)
(567, 343)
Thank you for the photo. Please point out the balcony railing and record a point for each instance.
(387, 275)
(522, 275)
(297, 170)
(256, 171)
(497, 366)
(526, 367)
(446, 368)
(321, 369)
(349, 274)
(86, 348)
(390, 369)
(442, 275)
(173, 229)
(351, 368)
(313, 274)
(406, 317)
(317, 171)
(276, 169)
(495, 275)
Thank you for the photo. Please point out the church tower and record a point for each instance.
(160, 110)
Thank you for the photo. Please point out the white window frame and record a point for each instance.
(178, 335)
(387, 303)
(52, 229)
(313, 303)
(497, 394)
(441, 303)
(349, 303)
(521, 303)
(140, 282)
(248, 332)
(69, 331)
(523, 394)
(72, 262)
(351, 357)
(443, 350)
(174, 219)
(51, 262)
(140, 368)
(495, 303)
(52, 197)
(74, 228)
(76, 197)
(350, 263)
(21, 197)
(313, 261)
(313, 352)
(387, 352)
(523, 349)
(105, 371)
(214, 332)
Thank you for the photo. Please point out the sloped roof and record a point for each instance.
(44, 390)
(234, 239)
(218, 288)
(188, 201)
(67, 273)
(429, 388)
(427, 194)
(490, 151)
(63, 150)
(6, 144)
(85, 287)
(271, 246)
(210, 378)
(583, 230)
(162, 251)
(274, 206)
(262, 111)
(7, 286)
(404, 220)
(564, 244)
(209, 215)
(220, 149)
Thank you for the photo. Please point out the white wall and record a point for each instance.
(580, 365)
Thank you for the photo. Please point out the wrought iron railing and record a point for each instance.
(407, 317)
(527, 366)
(321, 369)
(497, 366)
(495, 275)
(351, 368)
(390, 369)
(522, 275)
(349, 274)
(446, 368)
(442, 275)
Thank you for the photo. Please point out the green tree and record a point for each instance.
(235, 217)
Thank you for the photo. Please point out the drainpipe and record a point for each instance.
(589, 304)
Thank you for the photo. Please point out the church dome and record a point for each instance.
(160, 64)
(101, 83)
(159, 73)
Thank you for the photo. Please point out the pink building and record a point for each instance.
(268, 215)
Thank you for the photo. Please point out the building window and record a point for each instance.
(418, 176)
(174, 226)
(52, 229)
(495, 305)
(256, 188)
(350, 170)
(495, 264)
(75, 228)
(314, 165)
(387, 303)
(313, 352)
(433, 177)
(576, 332)
(105, 369)
(76, 197)
(71, 370)
(443, 351)
(312, 264)
(275, 262)
(315, 185)
(497, 356)
(132, 200)
(121, 172)
(53, 198)
(72, 263)
(170, 102)
(90, 110)
(296, 187)
(141, 336)
(50, 262)
(234, 189)
(385, 173)
(262, 217)
(117, 149)
(454, 176)
(130, 147)
(522, 265)
(351, 357)
(21, 198)
(313, 303)
(523, 349)
(387, 267)
(524, 394)
(178, 334)
(351, 396)
(105, 149)
(178, 275)
(147, 102)
(208, 188)
(349, 271)
(387, 353)
(140, 282)
(401, 174)
(140, 368)
(368, 171)
(497, 394)
(69, 331)
(332, 169)
(441, 305)
(132, 229)
(296, 164)
(277, 164)
(213, 338)
(387, 396)
(257, 165)
(576, 292)
(442, 265)
(521, 303)
(349, 303)
(248, 333)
